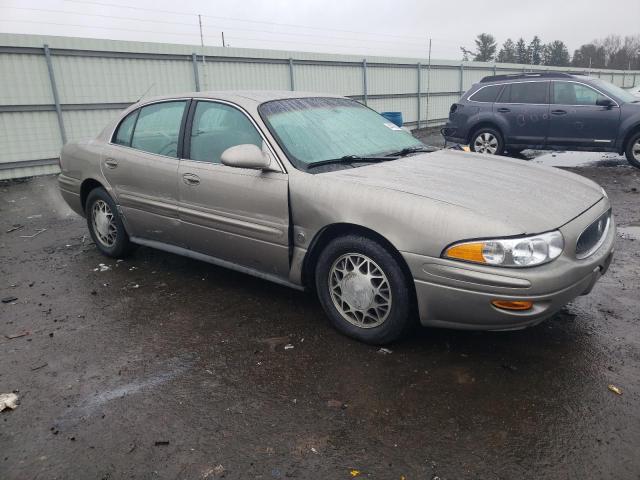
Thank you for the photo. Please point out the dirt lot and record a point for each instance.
(164, 367)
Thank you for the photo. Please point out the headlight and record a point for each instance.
(509, 252)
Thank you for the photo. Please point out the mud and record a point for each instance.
(164, 367)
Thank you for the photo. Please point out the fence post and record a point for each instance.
(461, 79)
(419, 93)
(364, 79)
(495, 69)
(196, 77)
(54, 91)
(291, 82)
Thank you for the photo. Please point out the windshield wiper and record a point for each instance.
(407, 151)
(348, 159)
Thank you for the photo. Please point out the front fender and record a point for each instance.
(410, 223)
(627, 126)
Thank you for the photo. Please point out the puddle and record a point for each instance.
(579, 159)
(630, 232)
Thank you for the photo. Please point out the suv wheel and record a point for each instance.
(363, 290)
(105, 225)
(487, 140)
(633, 150)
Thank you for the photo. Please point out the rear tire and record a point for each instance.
(363, 290)
(487, 140)
(633, 150)
(105, 225)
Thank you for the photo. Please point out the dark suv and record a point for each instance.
(546, 111)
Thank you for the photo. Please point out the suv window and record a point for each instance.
(486, 94)
(125, 129)
(525, 92)
(568, 93)
(158, 128)
(216, 127)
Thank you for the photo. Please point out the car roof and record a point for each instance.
(243, 97)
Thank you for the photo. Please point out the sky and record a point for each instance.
(374, 27)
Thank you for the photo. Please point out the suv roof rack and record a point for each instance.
(513, 76)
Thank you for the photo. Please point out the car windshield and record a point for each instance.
(614, 90)
(313, 130)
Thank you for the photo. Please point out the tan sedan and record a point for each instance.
(320, 192)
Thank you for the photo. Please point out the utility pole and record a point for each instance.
(426, 121)
(201, 37)
(223, 44)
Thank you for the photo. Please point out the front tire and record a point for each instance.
(487, 140)
(105, 225)
(363, 290)
(633, 150)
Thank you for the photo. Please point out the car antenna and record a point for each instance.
(145, 93)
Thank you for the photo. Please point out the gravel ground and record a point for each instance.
(164, 367)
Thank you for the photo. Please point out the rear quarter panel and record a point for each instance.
(80, 161)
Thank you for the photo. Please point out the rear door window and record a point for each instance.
(158, 128)
(526, 92)
(486, 94)
(125, 129)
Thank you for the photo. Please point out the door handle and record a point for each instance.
(191, 179)
(504, 110)
(110, 163)
(558, 112)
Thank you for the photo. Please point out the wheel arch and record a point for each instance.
(485, 124)
(86, 187)
(633, 130)
(336, 230)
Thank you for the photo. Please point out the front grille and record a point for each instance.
(593, 236)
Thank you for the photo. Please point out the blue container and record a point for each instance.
(395, 117)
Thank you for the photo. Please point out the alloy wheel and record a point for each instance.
(104, 224)
(635, 150)
(486, 143)
(360, 290)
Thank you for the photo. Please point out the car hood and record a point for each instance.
(531, 198)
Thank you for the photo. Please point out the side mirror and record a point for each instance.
(246, 156)
(605, 102)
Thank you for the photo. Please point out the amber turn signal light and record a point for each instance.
(512, 304)
(471, 252)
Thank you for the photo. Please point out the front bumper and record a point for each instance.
(458, 295)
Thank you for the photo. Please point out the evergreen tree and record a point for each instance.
(535, 51)
(522, 52)
(485, 49)
(556, 54)
(507, 53)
